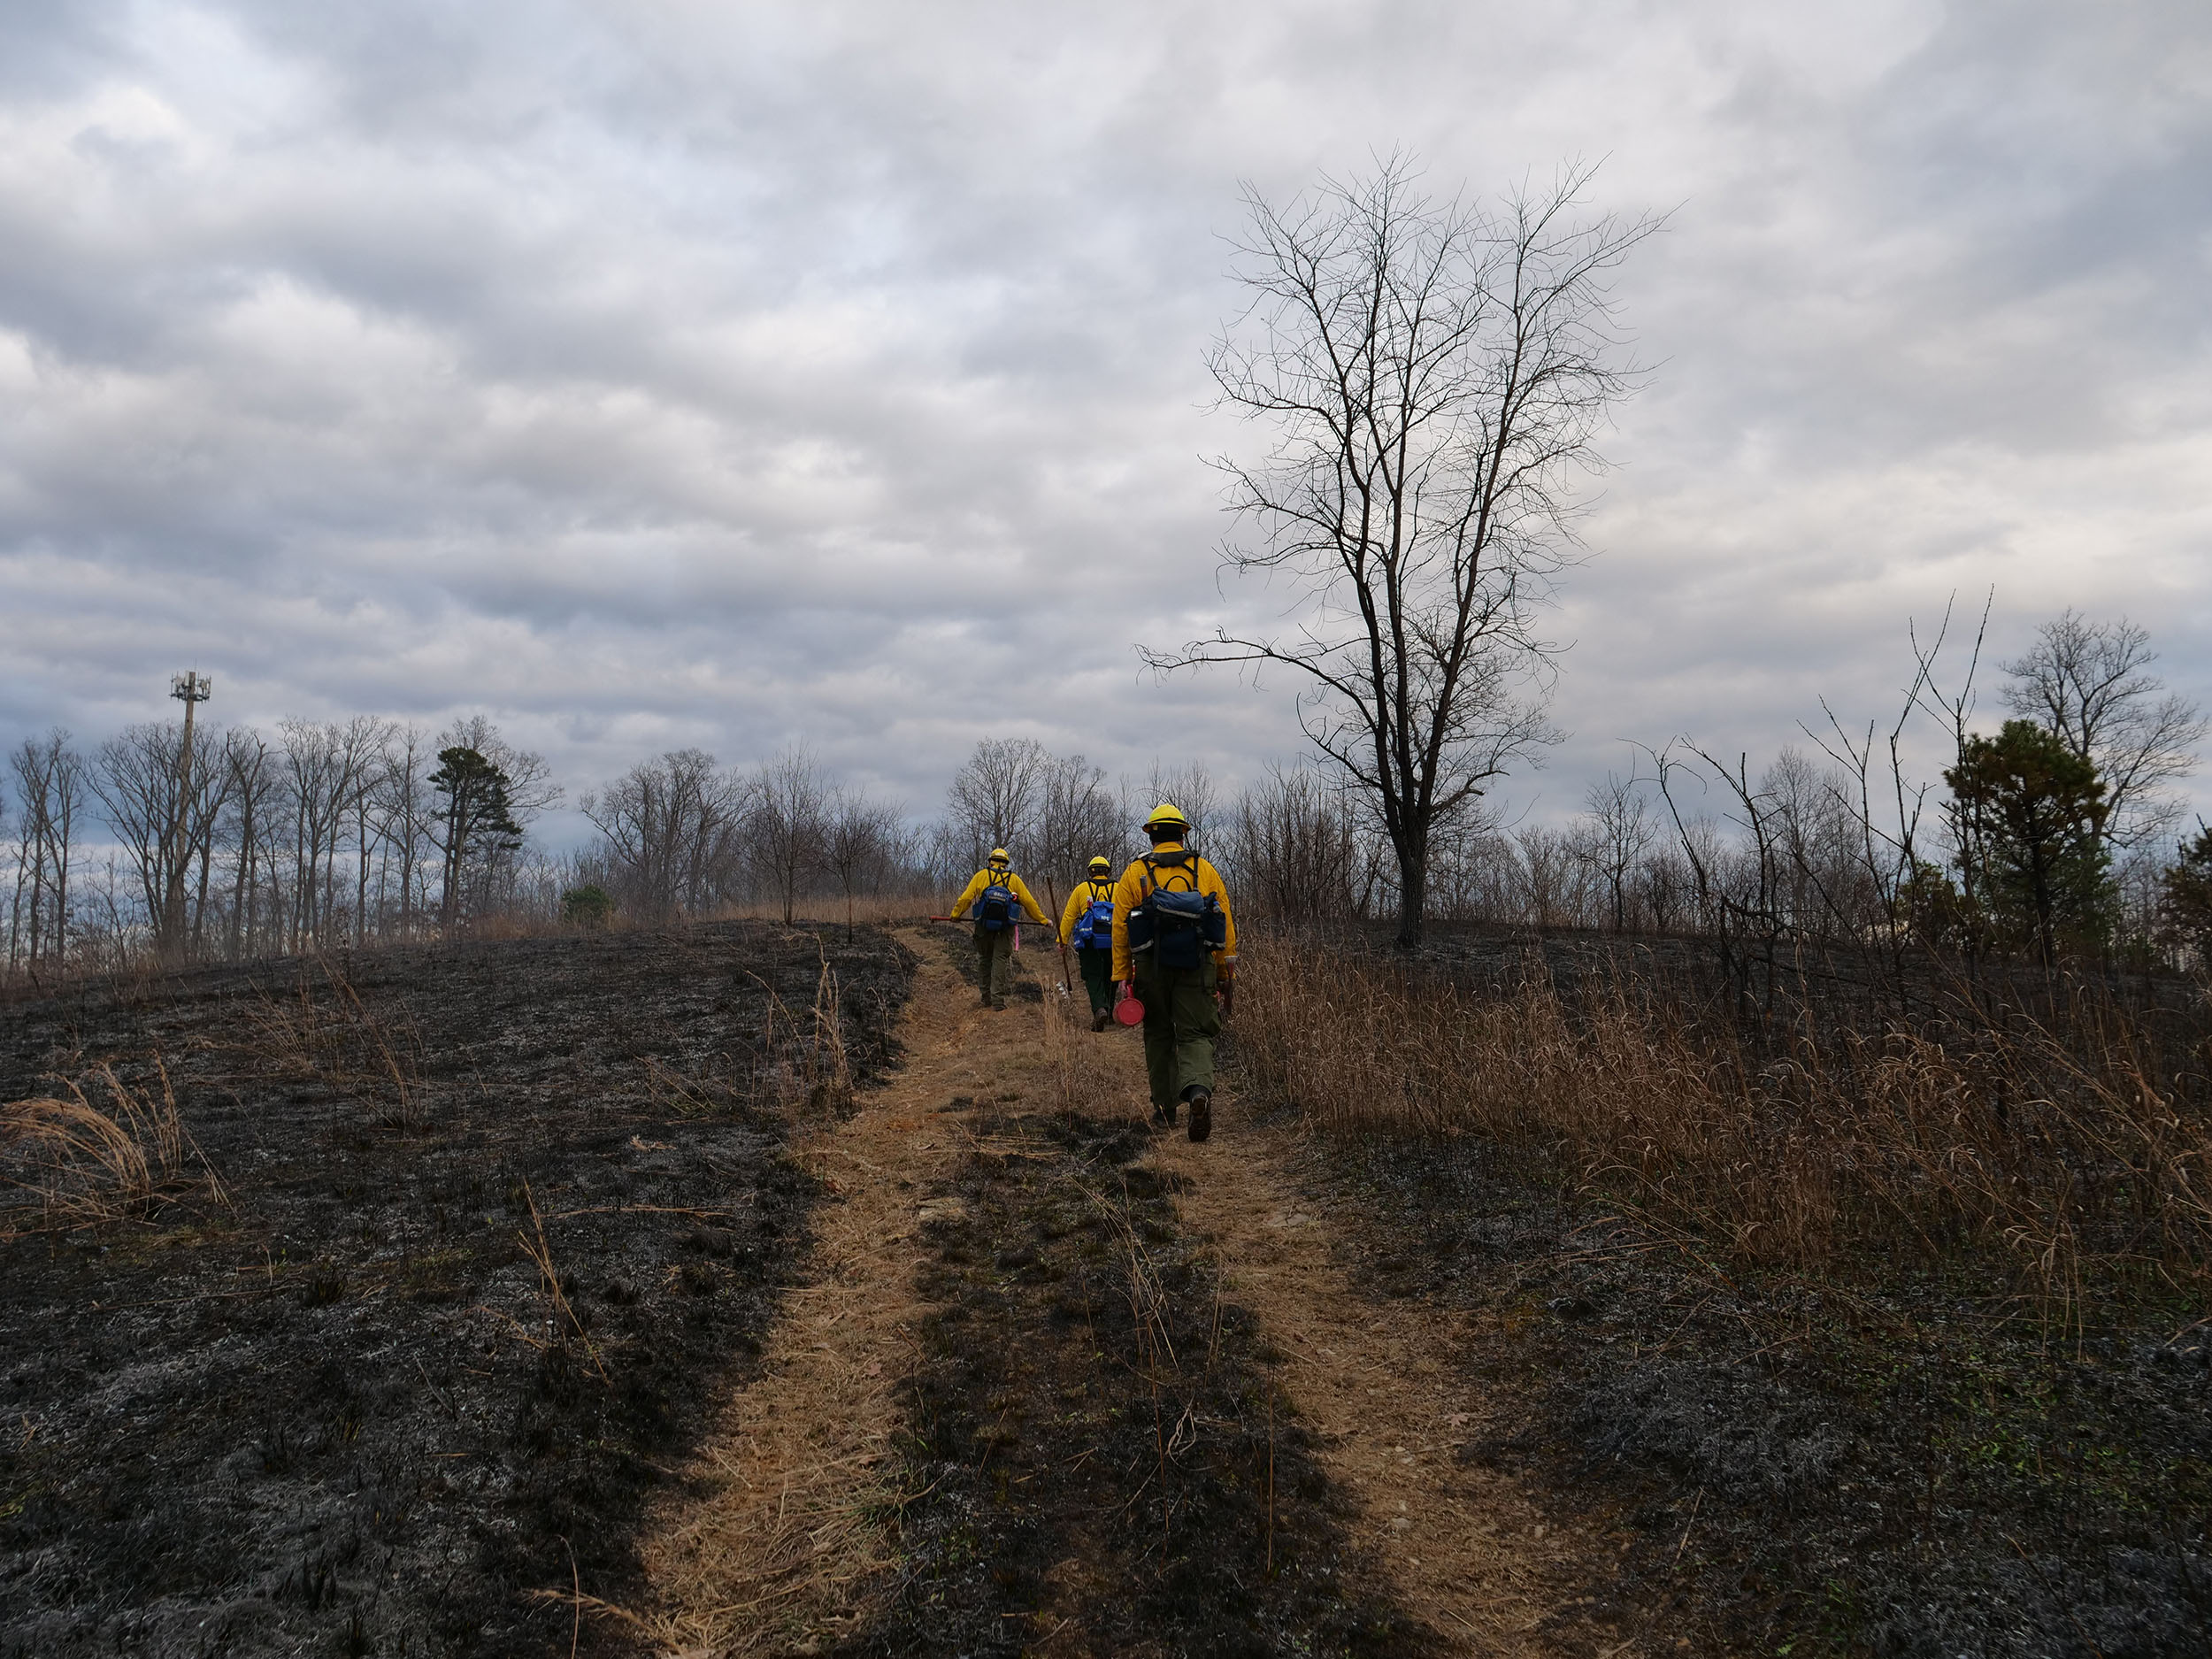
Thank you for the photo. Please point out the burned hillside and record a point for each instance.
(433, 1262)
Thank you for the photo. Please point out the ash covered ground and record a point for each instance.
(342, 1407)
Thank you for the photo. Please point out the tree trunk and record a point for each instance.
(1413, 893)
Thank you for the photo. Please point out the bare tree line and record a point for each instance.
(247, 844)
(331, 831)
(682, 836)
(1832, 843)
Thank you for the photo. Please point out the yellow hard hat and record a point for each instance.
(999, 856)
(1101, 863)
(1166, 813)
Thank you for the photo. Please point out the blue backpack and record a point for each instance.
(1096, 930)
(994, 908)
(1178, 926)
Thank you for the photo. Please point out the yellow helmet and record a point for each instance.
(999, 856)
(1167, 812)
(1102, 863)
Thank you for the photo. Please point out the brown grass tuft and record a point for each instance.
(801, 1066)
(73, 1164)
(328, 1032)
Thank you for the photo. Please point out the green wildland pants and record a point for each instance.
(1098, 979)
(1181, 1023)
(994, 960)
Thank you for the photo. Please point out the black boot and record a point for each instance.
(1201, 1112)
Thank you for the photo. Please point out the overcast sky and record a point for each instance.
(737, 374)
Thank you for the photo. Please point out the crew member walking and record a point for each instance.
(1175, 948)
(1087, 923)
(1000, 901)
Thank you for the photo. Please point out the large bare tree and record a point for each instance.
(1435, 374)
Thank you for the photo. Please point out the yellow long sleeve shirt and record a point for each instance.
(1086, 895)
(1012, 883)
(1130, 891)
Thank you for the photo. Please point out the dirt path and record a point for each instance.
(778, 1541)
(782, 1542)
(1383, 1385)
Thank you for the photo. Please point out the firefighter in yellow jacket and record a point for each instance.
(1001, 901)
(1087, 923)
(1175, 948)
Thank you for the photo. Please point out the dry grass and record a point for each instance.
(883, 909)
(2071, 1161)
(68, 1163)
(324, 1029)
(801, 1064)
(1089, 1071)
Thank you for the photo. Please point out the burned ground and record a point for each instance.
(1096, 1438)
(1891, 1464)
(498, 1225)
(1912, 1451)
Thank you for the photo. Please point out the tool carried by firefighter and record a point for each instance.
(1067, 981)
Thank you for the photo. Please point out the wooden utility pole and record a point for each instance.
(190, 689)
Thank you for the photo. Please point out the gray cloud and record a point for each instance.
(677, 373)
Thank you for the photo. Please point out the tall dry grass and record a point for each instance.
(324, 1029)
(800, 1064)
(2070, 1159)
(1088, 1072)
(92, 1156)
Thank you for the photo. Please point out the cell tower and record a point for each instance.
(191, 689)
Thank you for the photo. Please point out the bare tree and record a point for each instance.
(671, 829)
(789, 819)
(163, 809)
(331, 767)
(406, 814)
(1190, 788)
(1075, 820)
(992, 799)
(1293, 846)
(1621, 830)
(1436, 375)
(2090, 682)
(255, 794)
(51, 791)
(861, 840)
(1474, 872)
(1554, 878)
